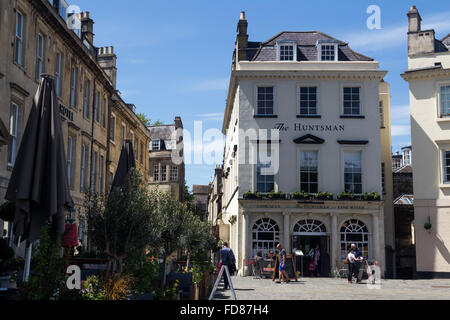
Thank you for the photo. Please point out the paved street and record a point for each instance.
(336, 289)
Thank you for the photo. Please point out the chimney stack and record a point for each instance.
(419, 41)
(87, 27)
(242, 38)
(107, 59)
(178, 123)
(414, 20)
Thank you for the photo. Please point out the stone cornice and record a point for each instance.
(236, 75)
(432, 73)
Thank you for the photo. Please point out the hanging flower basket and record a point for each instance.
(428, 226)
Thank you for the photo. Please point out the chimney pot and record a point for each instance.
(242, 15)
(112, 49)
(87, 14)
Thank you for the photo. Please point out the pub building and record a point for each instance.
(325, 111)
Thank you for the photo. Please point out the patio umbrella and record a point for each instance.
(38, 183)
(126, 162)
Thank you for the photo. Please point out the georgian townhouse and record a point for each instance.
(428, 76)
(307, 157)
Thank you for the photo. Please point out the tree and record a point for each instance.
(171, 216)
(147, 121)
(123, 222)
(198, 237)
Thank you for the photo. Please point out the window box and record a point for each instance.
(374, 196)
(323, 196)
(276, 195)
(252, 195)
(300, 196)
(347, 196)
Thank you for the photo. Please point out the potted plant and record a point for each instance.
(276, 195)
(347, 196)
(252, 195)
(323, 196)
(6, 254)
(374, 196)
(300, 195)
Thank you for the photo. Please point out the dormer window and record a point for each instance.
(327, 50)
(156, 145)
(287, 51)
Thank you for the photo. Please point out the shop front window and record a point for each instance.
(265, 236)
(354, 232)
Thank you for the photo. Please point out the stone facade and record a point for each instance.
(167, 170)
(428, 76)
(35, 39)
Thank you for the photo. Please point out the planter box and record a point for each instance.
(251, 197)
(301, 198)
(323, 198)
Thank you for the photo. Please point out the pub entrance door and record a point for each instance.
(307, 242)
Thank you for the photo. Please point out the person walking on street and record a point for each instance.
(357, 267)
(351, 260)
(227, 259)
(282, 268)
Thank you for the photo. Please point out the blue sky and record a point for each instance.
(174, 57)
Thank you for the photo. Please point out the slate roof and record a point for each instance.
(163, 132)
(444, 44)
(306, 47)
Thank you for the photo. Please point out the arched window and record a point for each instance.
(265, 236)
(354, 232)
(310, 227)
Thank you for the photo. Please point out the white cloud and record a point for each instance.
(400, 130)
(400, 113)
(396, 35)
(211, 116)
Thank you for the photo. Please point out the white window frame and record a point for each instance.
(308, 85)
(363, 166)
(94, 171)
(86, 98)
(123, 134)
(153, 145)
(265, 225)
(97, 106)
(331, 44)
(19, 39)
(302, 151)
(59, 67)
(364, 234)
(282, 43)
(361, 98)
(73, 85)
(101, 168)
(156, 172)
(103, 112)
(70, 162)
(112, 127)
(40, 55)
(163, 173)
(14, 132)
(256, 164)
(265, 85)
(439, 86)
(173, 173)
(83, 166)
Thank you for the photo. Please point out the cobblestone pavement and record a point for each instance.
(248, 288)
